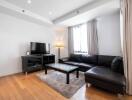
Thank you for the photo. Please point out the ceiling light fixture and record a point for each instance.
(50, 13)
(29, 1)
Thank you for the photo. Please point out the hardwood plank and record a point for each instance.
(21, 87)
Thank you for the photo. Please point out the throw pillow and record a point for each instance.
(117, 65)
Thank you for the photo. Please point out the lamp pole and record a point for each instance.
(58, 53)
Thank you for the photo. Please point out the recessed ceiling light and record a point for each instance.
(50, 13)
(29, 1)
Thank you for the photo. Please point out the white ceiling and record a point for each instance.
(64, 12)
(92, 11)
(57, 7)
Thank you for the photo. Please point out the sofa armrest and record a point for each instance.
(63, 59)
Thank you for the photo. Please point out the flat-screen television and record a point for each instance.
(37, 48)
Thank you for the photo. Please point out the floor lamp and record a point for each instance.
(59, 45)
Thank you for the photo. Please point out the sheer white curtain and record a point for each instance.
(83, 38)
(80, 39)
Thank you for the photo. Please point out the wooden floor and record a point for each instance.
(21, 87)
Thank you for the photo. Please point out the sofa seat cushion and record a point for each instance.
(106, 75)
(86, 65)
(72, 63)
(80, 65)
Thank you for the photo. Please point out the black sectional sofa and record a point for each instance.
(102, 71)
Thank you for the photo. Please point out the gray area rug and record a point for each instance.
(57, 81)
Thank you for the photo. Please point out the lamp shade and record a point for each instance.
(59, 44)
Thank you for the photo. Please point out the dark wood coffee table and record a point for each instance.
(64, 68)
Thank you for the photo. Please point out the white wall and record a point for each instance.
(109, 34)
(15, 37)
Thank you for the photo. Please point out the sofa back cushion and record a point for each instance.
(75, 57)
(89, 59)
(117, 65)
(104, 60)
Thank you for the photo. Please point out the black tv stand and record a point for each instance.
(36, 62)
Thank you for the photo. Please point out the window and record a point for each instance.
(80, 39)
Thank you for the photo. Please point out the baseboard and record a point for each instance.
(11, 74)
